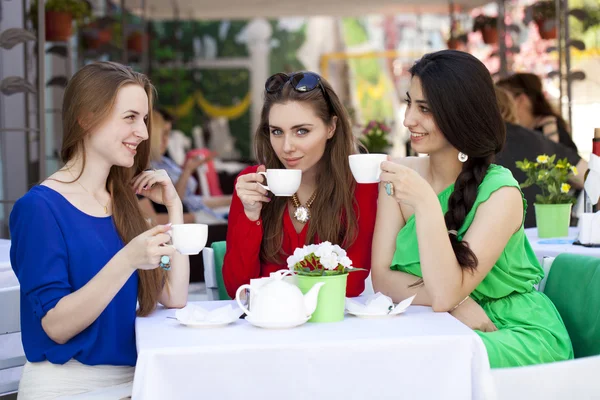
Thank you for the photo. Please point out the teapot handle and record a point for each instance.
(237, 297)
(284, 272)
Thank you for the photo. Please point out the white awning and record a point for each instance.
(246, 9)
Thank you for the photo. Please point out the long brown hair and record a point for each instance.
(333, 217)
(460, 93)
(89, 99)
(531, 86)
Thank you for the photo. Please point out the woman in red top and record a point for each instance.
(303, 126)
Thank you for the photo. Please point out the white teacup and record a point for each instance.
(366, 168)
(282, 182)
(189, 238)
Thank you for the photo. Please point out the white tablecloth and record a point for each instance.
(555, 246)
(4, 254)
(417, 355)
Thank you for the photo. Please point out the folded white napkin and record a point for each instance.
(377, 304)
(589, 228)
(193, 313)
(592, 183)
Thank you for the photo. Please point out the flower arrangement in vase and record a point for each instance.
(553, 205)
(324, 262)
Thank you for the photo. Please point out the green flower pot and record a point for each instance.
(331, 302)
(553, 220)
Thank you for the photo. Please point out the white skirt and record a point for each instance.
(73, 380)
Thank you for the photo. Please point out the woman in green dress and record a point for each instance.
(450, 226)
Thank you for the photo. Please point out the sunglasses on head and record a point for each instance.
(300, 81)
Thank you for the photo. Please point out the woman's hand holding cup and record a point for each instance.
(145, 250)
(251, 193)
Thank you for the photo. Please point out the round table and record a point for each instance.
(555, 246)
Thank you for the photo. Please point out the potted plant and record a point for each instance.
(488, 26)
(135, 41)
(458, 42)
(323, 263)
(543, 13)
(375, 137)
(97, 33)
(59, 17)
(553, 206)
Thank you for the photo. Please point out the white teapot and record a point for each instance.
(280, 301)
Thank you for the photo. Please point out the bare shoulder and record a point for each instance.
(504, 206)
(59, 181)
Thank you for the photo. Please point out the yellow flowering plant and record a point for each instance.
(550, 177)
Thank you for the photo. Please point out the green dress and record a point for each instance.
(530, 330)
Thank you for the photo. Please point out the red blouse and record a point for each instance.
(244, 237)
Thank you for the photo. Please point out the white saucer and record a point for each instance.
(206, 324)
(369, 315)
(276, 324)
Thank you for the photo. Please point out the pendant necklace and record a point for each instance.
(302, 213)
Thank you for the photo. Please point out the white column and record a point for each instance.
(259, 36)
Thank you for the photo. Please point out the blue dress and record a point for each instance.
(55, 250)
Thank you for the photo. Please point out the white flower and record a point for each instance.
(310, 248)
(324, 249)
(339, 251)
(297, 257)
(329, 261)
(346, 262)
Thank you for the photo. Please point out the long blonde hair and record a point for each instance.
(91, 95)
(507, 105)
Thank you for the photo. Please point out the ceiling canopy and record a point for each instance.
(246, 9)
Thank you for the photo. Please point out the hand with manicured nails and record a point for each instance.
(410, 188)
(145, 250)
(157, 186)
(251, 194)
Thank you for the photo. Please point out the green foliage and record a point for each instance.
(79, 9)
(355, 32)
(220, 87)
(284, 55)
(543, 10)
(481, 21)
(550, 177)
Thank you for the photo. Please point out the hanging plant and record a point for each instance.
(488, 26)
(59, 17)
(543, 13)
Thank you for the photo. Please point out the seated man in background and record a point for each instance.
(208, 210)
(524, 143)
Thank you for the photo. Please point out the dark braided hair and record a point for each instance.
(460, 94)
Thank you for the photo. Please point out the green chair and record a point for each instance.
(213, 271)
(573, 285)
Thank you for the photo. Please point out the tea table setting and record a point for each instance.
(295, 335)
(381, 358)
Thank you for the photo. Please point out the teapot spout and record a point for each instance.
(310, 298)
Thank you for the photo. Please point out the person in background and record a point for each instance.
(303, 126)
(450, 225)
(524, 143)
(84, 255)
(206, 208)
(534, 110)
